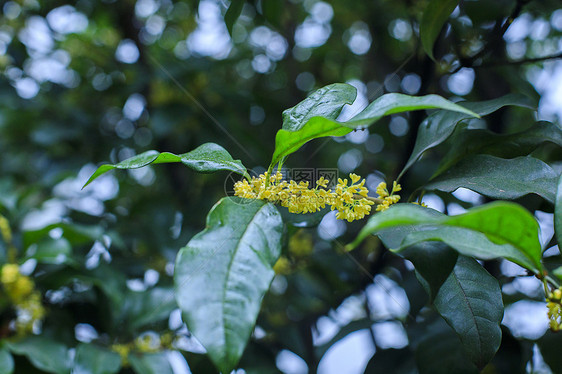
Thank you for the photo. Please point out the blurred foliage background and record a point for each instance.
(99, 81)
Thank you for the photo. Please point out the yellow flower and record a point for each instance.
(282, 266)
(351, 201)
(555, 309)
(388, 198)
(10, 273)
(123, 350)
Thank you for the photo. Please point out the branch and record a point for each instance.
(519, 62)
(494, 39)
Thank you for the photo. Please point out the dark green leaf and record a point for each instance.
(550, 345)
(466, 142)
(498, 229)
(436, 128)
(43, 353)
(434, 17)
(326, 102)
(6, 362)
(434, 262)
(223, 273)
(443, 353)
(499, 178)
(287, 142)
(470, 300)
(558, 212)
(206, 158)
(396, 361)
(91, 359)
(150, 363)
(232, 14)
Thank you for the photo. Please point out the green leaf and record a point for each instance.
(470, 300)
(91, 359)
(326, 102)
(222, 274)
(396, 361)
(76, 234)
(232, 14)
(549, 345)
(50, 251)
(558, 212)
(442, 353)
(434, 262)
(150, 363)
(150, 306)
(434, 17)
(499, 178)
(206, 158)
(465, 142)
(43, 353)
(287, 142)
(498, 229)
(6, 362)
(436, 128)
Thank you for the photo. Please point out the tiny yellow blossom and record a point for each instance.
(351, 201)
(10, 273)
(282, 266)
(554, 300)
(123, 350)
(387, 198)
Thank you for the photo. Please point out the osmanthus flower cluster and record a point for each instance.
(554, 305)
(351, 201)
(20, 291)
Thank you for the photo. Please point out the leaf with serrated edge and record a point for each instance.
(222, 274)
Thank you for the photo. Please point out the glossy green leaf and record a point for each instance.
(498, 229)
(222, 274)
(465, 142)
(6, 362)
(470, 300)
(206, 158)
(436, 128)
(92, 359)
(43, 353)
(150, 363)
(287, 142)
(326, 102)
(434, 17)
(232, 14)
(499, 178)
(558, 212)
